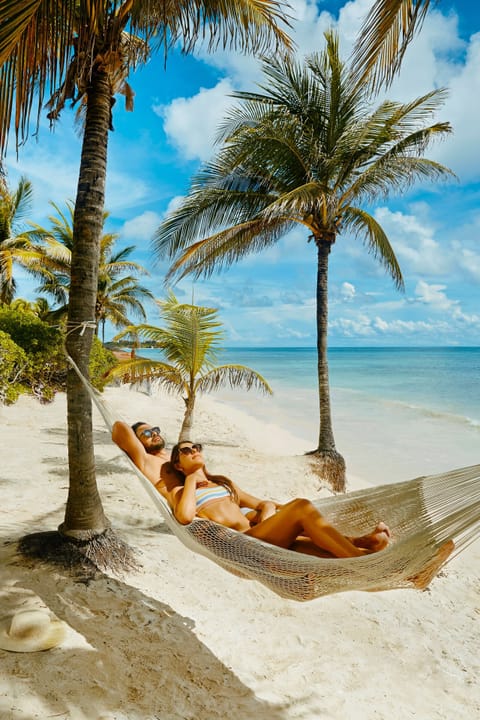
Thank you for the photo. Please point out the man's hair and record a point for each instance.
(136, 425)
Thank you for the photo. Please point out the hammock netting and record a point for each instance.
(424, 515)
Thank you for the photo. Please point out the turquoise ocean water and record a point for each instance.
(397, 412)
(433, 380)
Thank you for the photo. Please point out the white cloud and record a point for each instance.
(438, 57)
(141, 227)
(380, 329)
(469, 261)
(409, 327)
(380, 324)
(434, 296)
(191, 123)
(124, 191)
(54, 176)
(413, 243)
(430, 59)
(361, 326)
(347, 291)
(174, 203)
(462, 110)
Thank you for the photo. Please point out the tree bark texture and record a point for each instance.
(331, 465)
(84, 513)
(325, 439)
(186, 429)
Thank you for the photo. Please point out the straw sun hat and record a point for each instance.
(31, 630)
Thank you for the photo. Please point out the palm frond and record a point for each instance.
(383, 39)
(234, 376)
(364, 225)
(48, 49)
(139, 369)
(221, 250)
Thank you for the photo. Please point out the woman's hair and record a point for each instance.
(217, 479)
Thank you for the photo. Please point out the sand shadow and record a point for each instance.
(58, 436)
(143, 659)
(58, 466)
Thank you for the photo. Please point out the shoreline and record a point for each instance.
(181, 638)
(381, 442)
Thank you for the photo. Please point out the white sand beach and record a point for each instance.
(181, 638)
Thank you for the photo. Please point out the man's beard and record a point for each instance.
(158, 446)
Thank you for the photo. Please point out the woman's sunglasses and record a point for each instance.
(189, 450)
(150, 432)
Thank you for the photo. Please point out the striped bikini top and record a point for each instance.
(204, 495)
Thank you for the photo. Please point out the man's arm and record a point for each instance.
(125, 438)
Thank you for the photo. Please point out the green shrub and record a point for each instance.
(13, 361)
(41, 366)
(45, 370)
(101, 361)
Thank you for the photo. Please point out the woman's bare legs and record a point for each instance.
(300, 518)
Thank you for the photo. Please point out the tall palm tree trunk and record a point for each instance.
(332, 464)
(84, 516)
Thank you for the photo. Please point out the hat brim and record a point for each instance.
(43, 633)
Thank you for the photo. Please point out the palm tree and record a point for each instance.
(383, 39)
(116, 297)
(42, 309)
(190, 345)
(84, 50)
(39, 307)
(308, 150)
(117, 293)
(14, 243)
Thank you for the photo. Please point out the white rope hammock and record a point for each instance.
(423, 514)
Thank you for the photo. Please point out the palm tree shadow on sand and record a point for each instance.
(144, 660)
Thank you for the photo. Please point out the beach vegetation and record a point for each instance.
(45, 370)
(32, 351)
(119, 291)
(309, 149)
(80, 53)
(190, 345)
(12, 362)
(15, 246)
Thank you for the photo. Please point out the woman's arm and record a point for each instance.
(183, 500)
(264, 507)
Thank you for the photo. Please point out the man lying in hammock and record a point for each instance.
(192, 492)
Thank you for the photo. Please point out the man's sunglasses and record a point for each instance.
(189, 450)
(150, 432)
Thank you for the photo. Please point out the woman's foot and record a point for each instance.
(374, 541)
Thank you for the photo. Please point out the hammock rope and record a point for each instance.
(424, 515)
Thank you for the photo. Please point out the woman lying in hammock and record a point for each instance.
(297, 525)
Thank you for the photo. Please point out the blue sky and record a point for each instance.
(268, 299)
